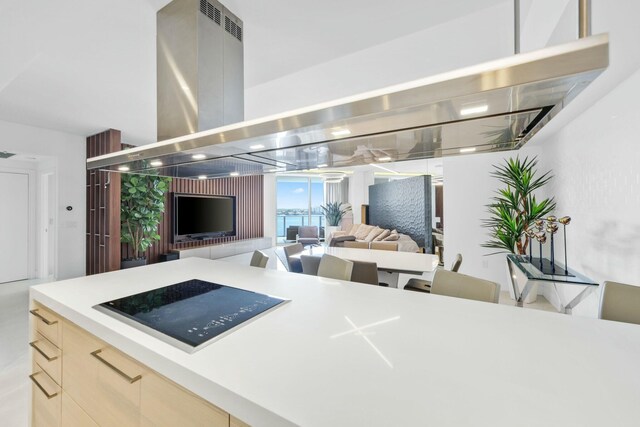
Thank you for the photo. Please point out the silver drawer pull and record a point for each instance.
(39, 350)
(46, 393)
(40, 316)
(131, 380)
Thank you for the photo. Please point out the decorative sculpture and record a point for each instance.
(539, 230)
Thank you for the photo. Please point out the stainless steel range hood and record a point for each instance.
(494, 106)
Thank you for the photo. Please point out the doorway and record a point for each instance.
(15, 233)
(48, 231)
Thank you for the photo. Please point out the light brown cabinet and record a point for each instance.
(80, 380)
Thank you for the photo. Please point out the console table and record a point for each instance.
(530, 274)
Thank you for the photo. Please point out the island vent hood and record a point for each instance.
(495, 106)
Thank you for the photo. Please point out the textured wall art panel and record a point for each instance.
(404, 205)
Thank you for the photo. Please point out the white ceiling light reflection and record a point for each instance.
(474, 110)
(198, 156)
(358, 331)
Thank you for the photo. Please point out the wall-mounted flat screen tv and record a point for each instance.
(199, 217)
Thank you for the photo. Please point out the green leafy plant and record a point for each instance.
(515, 207)
(334, 212)
(141, 207)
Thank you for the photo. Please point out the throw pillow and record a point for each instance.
(382, 235)
(363, 231)
(392, 237)
(373, 234)
(353, 230)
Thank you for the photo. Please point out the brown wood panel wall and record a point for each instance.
(103, 208)
(249, 211)
(440, 204)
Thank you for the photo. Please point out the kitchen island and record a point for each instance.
(344, 354)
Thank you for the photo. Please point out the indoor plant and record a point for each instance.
(142, 202)
(515, 207)
(334, 212)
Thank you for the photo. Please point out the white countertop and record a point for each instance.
(419, 359)
(390, 260)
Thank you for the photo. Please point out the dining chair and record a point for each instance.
(259, 259)
(333, 267)
(384, 246)
(279, 251)
(421, 285)
(308, 235)
(460, 285)
(365, 272)
(356, 245)
(620, 302)
(310, 264)
(294, 265)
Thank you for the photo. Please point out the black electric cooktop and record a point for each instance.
(190, 314)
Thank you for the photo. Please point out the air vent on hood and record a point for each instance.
(232, 28)
(495, 106)
(210, 11)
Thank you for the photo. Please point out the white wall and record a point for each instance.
(591, 148)
(595, 158)
(468, 188)
(67, 154)
(269, 206)
(471, 39)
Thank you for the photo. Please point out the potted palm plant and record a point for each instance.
(333, 213)
(142, 203)
(515, 208)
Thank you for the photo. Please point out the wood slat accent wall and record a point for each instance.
(249, 210)
(103, 208)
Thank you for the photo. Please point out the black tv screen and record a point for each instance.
(198, 217)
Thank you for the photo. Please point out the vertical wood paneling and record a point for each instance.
(249, 215)
(103, 208)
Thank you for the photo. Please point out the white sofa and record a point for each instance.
(372, 233)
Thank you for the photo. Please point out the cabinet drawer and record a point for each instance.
(101, 380)
(165, 404)
(47, 356)
(48, 324)
(45, 398)
(73, 415)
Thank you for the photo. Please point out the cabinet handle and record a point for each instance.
(46, 393)
(131, 380)
(39, 350)
(40, 316)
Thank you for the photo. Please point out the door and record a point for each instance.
(14, 226)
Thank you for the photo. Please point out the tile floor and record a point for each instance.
(14, 353)
(14, 339)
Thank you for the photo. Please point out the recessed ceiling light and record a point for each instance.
(156, 163)
(202, 177)
(384, 159)
(234, 174)
(341, 132)
(322, 165)
(198, 156)
(468, 150)
(123, 168)
(256, 147)
(474, 110)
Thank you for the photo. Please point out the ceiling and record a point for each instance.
(82, 67)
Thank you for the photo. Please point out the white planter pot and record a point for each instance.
(328, 230)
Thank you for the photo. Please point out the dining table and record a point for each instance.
(390, 263)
